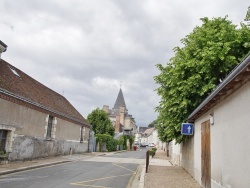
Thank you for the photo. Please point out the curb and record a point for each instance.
(137, 180)
(31, 167)
(46, 164)
(120, 151)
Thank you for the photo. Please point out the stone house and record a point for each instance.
(217, 155)
(119, 116)
(35, 121)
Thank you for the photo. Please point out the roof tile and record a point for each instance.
(28, 88)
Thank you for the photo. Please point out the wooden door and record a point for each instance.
(205, 155)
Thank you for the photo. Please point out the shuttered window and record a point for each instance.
(49, 128)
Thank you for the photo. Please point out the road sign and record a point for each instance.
(187, 128)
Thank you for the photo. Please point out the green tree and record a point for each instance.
(162, 135)
(153, 123)
(100, 122)
(208, 54)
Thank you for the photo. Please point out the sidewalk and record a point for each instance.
(161, 173)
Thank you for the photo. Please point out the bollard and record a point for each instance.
(147, 161)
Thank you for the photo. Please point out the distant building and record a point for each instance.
(150, 135)
(120, 118)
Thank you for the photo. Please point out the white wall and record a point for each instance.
(230, 138)
(230, 152)
(150, 139)
(144, 140)
(175, 153)
(155, 138)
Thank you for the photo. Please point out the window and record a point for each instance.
(3, 138)
(49, 128)
(82, 134)
(14, 71)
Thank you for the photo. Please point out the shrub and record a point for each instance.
(151, 152)
(123, 141)
(111, 143)
(154, 149)
(3, 155)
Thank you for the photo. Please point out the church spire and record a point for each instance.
(120, 102)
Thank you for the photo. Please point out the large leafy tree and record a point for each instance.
(153, 124)
(100, 122)
(208, 54)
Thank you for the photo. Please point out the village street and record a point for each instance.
(112, 170)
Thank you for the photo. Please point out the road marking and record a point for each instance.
(21, 178)
(85, 185)
(123, 167)
(82, 182)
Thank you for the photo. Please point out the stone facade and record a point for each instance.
(35, 121)
(119, 115)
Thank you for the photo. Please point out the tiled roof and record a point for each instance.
(27, 89)
(149, 131)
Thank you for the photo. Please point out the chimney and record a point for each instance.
(117, 124)
(3, 48)
(105, 108)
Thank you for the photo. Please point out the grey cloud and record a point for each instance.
(83, 49)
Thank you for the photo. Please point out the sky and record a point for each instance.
(86, 50)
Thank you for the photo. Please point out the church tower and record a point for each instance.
(119, 116)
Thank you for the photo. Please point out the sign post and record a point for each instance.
(187, 129)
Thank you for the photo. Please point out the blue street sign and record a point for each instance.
(187, 128)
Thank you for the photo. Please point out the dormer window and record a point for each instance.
(14, 71)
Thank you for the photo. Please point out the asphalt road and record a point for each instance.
(102, 171)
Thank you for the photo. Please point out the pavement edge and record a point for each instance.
(31, 167)
(137, 180)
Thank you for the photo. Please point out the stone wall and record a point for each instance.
(26, 147)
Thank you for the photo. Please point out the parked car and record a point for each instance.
(144, 144)
(151, 145)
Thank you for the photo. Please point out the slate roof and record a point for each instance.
(142, 129)
(120, 102)
(28, 90)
